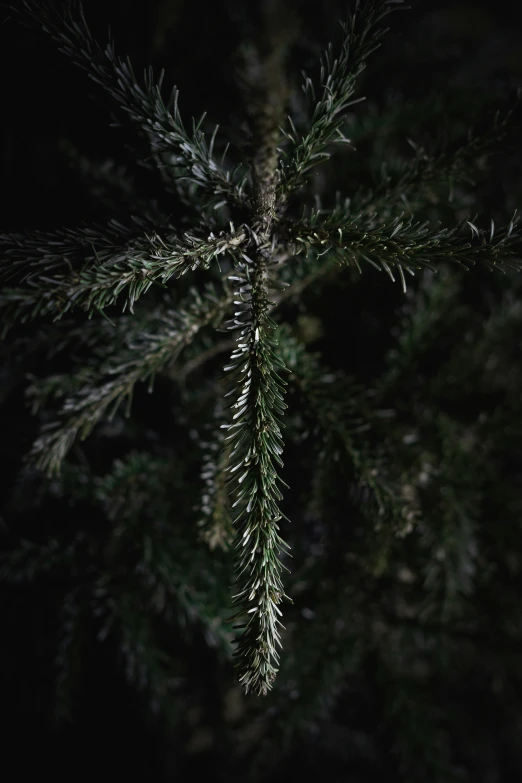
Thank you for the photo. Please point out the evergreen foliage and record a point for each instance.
(400, 561)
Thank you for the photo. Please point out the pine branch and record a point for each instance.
(191, 587)
(409, 183)
(292, 281)
(47, 342)
(453, 546)
(135, 489)
(179, 582)
(201, 357)
(28, 253)
(341, 415)
(105, 273)
(29, 560)
(52, 339)
(215, 519)
(99, 389)
(497, 336)
(255, 435)
(407, 245)
(256, 443)
(143, 102)
(432, 307)
(338, 79)
(141, 496)
(398, 115)
(146, 665)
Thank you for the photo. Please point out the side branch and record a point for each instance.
(97, 390)
(406, 245)
(108, 270)
(338, 79)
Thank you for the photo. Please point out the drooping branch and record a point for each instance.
(255, 435)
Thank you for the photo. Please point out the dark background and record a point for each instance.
(44, 99)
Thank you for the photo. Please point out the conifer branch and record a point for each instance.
(161, 121)
(145, 664)
(292, 281)
(177, 574)
(407, 182)
(29, 560)
(106, 270)
(26, 254)
(436, 306)
(311, 269)
(256, 444)
(255, 435)
(338, 407)
(451, 568)
(100, 388)
(215, 519)
(408, 245)
(338, 78)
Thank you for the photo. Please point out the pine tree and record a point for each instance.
(217, 264)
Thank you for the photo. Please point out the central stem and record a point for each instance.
(257, 441)
(266, 101)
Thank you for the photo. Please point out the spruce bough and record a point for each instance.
(243, 221)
